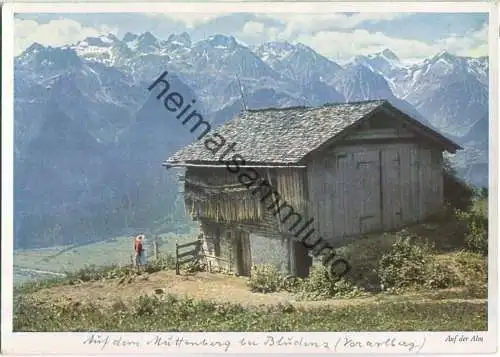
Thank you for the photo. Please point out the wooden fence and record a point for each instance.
(191, 255)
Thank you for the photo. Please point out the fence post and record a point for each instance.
(155, 247)
(177, 272)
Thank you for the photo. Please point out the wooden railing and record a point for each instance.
(209, 258)
(192, 255)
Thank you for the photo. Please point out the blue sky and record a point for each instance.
(338, 36)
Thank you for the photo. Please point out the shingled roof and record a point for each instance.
(284, 135)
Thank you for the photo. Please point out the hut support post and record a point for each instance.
(291, 257)
(177, 270)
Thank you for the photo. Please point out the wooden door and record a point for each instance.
(391, 188)
(427, 196)
(241, 248)
(301, 259)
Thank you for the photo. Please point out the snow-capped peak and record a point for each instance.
(222, 41)
(384, 62)
(144, 43)
(182, 39)
(272, 51)
(443, 63)
(129, 37)
(389, 55)
(147, 37)
(99, 41)
(48, 58)
(34, 48)
(442, 53)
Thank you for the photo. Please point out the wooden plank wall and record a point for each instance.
(392, 187)
(357, 189)
(207, 197)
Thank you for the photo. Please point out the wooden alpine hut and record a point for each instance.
(340, 170)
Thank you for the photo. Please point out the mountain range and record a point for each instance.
(90, 138)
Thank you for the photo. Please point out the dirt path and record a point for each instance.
(201, 286)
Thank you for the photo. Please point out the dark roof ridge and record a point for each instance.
(275, 109)
(331, 104)
(356, 102)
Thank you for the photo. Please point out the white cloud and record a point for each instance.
(377, 16)
(252, 27)
(189, 19)
(336, 36)
(54, 33)
(296, 24)
(253, 31)
(342, 45)
(473, 44)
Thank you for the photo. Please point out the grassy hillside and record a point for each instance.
(116, 251)
(173, 313)
(427, 277)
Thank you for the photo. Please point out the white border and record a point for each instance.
(52, 343)
(258, 7)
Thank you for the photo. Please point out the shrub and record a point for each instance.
(441, 275)
(363, 255)
(473, 268)
(456, 192)
(476, 239)
(459, 269)
(483, 193)
(406, 264)
(265, 278)
(470, 263)
(411, 264)
(292, 283)
(146, 306)
(93, 273)
(319, 285)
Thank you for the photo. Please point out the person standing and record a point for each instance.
(139, 250)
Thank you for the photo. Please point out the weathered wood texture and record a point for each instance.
(240, 245)
(374, 187)
(185, 253)
(224, 196)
